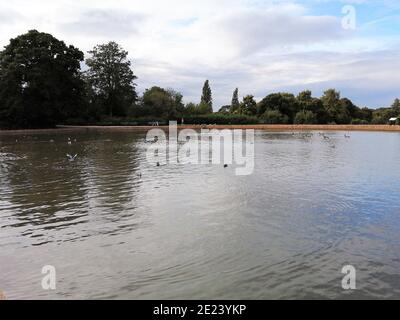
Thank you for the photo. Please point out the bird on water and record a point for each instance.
(71, 158)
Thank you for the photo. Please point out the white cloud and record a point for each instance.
(256, 45)
(104, 23)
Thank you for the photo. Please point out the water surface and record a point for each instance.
(117, 227)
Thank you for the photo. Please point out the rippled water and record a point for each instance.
(116, 227)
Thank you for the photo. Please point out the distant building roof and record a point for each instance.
(393, 119)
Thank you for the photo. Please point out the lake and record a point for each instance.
(116, 227)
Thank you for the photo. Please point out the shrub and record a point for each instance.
(220, 118)
(305, 117)
(359, 121)
(274, 117)
(379, 120)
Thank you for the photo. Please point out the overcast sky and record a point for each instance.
(260, 46)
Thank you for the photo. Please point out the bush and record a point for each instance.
(359, 121)
(305, 117)
(274, 117)
(379, 120)
(220, 118)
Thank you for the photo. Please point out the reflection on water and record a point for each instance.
(116, 227)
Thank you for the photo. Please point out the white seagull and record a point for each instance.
(71, 158)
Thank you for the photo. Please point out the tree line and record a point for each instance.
(42, 84)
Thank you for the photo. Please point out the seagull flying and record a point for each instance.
(71, 158)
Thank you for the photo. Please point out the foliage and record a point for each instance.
(339, 110)
(274, 117)
(285, 103)
(359, 121)
(305, 101)
(248, 106)
(220, 118)
(192, 108)
(110, 79)
(225, 109)
(235, 104)
(305, 117)
(159, 102)
(382, 116)
(41, 85)
(206, 103)
(40, 82)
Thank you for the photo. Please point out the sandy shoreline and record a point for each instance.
(72, 129)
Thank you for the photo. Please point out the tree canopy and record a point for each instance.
(111, 79)
(162, 103)
(248, 106)
(40, 81)
(41, 85)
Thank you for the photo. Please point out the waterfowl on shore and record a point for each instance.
(347, 136)
(308, 135)
(158, 164)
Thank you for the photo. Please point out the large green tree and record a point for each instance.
(40, 81)
(206, 102)
(248, 106)
(396, 105)
(306, 102)
(111, 79)
(285, 103)
(336, 108)
(162, 103)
